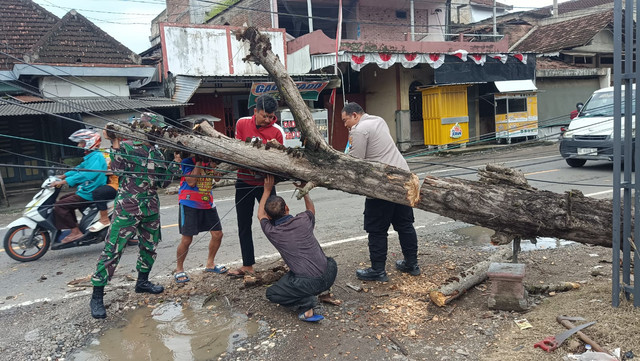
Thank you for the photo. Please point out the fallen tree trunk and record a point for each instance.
(456, 286)
(502, 200)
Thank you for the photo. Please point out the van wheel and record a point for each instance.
(576, 163)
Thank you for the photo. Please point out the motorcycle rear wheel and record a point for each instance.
(17, 244)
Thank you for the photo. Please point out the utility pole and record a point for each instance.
(413, 23)
(495, 28)
(310, 14)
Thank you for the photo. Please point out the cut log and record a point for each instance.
(553, 287)
(456, 286)
(502, 200)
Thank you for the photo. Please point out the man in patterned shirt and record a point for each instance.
(142, 169)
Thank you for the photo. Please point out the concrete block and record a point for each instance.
(507, 290)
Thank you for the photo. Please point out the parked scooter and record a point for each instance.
(30, 237)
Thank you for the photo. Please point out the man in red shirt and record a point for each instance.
(250, 185)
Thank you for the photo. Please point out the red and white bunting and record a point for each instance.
(521, 57)
(479, 59)
(385, 60)
(435, 60)
(411, 60)
(358, 61)
(501, 57)
(461, 54)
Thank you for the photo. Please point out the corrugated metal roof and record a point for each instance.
(10, 108)
(322, 60)
(185, 87)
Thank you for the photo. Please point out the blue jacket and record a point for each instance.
(88, 181)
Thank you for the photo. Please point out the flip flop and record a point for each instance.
(181, 277)
(217, 269)
(314, 318)
(71, 238)
(238, 273)
(98, 226)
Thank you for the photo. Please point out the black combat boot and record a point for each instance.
(143, 285)
(374, 273)
(409, 267)
(96, 304)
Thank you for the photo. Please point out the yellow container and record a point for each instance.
(445, 115)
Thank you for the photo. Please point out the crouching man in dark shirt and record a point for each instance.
(311, 272)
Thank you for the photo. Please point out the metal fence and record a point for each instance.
(626, 185)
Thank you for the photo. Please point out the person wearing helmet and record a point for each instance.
(87, 176)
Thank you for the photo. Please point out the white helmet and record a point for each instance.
(90, 137)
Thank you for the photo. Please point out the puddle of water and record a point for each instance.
(172, 332)
(480, 236)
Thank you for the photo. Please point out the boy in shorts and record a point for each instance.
(198, 212)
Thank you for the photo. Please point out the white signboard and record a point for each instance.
(212, 51)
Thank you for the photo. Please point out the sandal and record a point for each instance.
(98, 226)
(71, 238)
(239, 273)
(217, 269)
(181, 277)
(314, 318)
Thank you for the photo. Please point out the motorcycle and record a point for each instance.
(30, 237)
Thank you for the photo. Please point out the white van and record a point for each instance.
(590, 134)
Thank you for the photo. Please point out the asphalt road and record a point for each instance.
(339, 219)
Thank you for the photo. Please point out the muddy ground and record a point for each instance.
(385, 321)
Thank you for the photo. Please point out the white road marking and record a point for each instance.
(220, 200)
(237, 262)
(483, 164)
(599, 193)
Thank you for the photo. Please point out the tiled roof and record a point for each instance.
(566, 34)
(28, 99)
(489, 3)
(543, 63)
(74, 39)
(30, 33)
(22, 24)
(11, 107)
(575, 5)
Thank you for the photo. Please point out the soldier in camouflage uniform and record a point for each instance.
(142, 170)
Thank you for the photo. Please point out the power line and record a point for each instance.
(144, 137)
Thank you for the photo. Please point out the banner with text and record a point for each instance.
(309, 90)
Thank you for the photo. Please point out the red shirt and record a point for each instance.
(246, 128)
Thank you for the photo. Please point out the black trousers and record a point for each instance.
(246, 197)
(301, 292)
(378, 216)
(103, 194)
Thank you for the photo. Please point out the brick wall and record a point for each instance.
(380, 24)
(178, 11)
(259, 16)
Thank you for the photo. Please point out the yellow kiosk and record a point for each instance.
(516, 110)
(445, 115)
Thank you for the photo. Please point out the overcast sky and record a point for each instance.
(520, 5)
(129, 21)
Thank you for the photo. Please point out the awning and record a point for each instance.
(9, 108)
(510, 86)
(186, 86)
